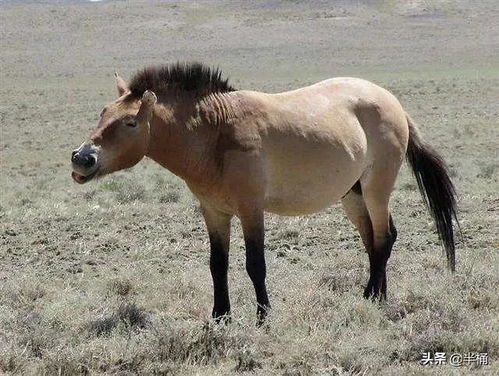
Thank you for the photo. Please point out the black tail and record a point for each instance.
(434, 183)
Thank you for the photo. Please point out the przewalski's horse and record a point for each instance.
(242, 153)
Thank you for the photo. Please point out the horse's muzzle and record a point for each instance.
(84, 163)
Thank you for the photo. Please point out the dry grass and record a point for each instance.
(113, 277)
(125, 323)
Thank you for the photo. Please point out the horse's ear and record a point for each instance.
(148, 100)
(121, 84)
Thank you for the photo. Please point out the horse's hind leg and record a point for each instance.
(356, 211)
(377, 186)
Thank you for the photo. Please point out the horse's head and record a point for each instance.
(120, 139)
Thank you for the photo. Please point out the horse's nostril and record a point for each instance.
(83, 159)
(89, 161)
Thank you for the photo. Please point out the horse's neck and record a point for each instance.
(185, 151)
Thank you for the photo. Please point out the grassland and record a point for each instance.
(112, 277)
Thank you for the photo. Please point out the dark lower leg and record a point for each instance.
(376, 286)
(218, 225)
(219, 264)
(256, 268)
(378, 258)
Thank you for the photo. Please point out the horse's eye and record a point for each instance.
(130, 123)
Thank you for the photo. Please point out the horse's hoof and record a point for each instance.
(374, 294)
(261, 314)
(222, 318)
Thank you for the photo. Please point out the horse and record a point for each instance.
(243, 153)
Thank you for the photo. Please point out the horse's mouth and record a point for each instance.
(81, 179)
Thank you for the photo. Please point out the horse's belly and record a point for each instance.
(300, 200)
(299, 183)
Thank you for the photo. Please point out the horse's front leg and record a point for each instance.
(218, 225)
(253, 229)
(245, 179)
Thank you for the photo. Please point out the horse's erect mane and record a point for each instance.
(194, 78)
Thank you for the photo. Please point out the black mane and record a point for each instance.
(194, 78)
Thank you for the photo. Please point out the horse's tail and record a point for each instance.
(435, 185)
